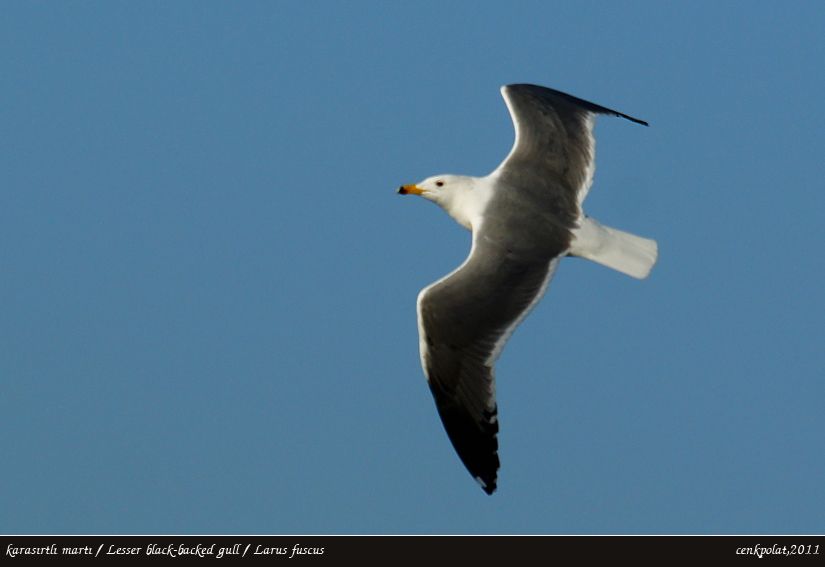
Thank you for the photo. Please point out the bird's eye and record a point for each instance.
(439, 183)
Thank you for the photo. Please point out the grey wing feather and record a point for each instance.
(465, 320)
(554, 147)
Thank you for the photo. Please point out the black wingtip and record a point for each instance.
(636, 120)
(475, 439)
(488, 487)
(580, 102)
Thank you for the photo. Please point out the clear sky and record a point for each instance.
(208, 283)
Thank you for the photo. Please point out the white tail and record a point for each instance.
(622, 251)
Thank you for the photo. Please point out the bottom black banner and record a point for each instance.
(478, 550)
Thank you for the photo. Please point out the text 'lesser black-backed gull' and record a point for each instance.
(524, 216)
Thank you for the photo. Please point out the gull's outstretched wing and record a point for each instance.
(464, 321)
(554, 149)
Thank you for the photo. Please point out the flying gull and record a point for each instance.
(524, 217)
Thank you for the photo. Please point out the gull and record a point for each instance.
(525, 217)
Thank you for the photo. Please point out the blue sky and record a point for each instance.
(208, 282)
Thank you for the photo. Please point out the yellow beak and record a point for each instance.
(410, 190)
